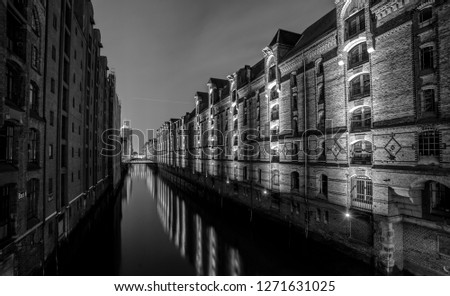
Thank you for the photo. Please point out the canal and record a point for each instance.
(149, 228)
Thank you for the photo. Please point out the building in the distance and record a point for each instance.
(57, 97)
(342, 130)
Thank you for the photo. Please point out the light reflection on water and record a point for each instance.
(155, 229)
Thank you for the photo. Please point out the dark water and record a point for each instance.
(152, 229)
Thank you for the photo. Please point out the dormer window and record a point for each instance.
(355, 24)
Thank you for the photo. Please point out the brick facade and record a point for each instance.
(57, 99)
(343, 115)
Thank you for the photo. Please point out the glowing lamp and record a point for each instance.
(370, 49)
(347, 215)
(341, 63)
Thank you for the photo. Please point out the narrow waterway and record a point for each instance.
(150, 228)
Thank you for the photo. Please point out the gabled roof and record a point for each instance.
(285, 37)
(321, 27)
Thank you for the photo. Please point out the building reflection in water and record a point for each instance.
(196, 240)
(176, 232)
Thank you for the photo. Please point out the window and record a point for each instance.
(55, 22)
(320, 94)
(321, 116)
(295, 181)
(53, 53)
(275, 178)
(52, 118)
(355, 24)
(50, 186)
(362, 193)
(13, 85)
(428, 101)
(274, 93)
(272, 73)
(438, 197)
(427, 58)
(319, 67)
(35, 22)
(358, 55)
(259, 176)
(360, 86)
(274, 114)
(361, 119)
(34, 97)
(5, 193)
(323, 185)
(33, 147)
(32, 199)
(52, 85)
(35, 57)
(362, 153)
(50, 151)
(245, 173)
(293, 80)
(294, 102)
(425, 15)
(245, 113)
(429, 144)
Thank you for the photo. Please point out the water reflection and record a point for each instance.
(158, 230)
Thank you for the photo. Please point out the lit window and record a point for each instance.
(274, 114)
(360, 86)
(275, 178)
(362, 193)
(361, 119)
(429, 144)
(362, 153)
(358, 55)
(355, 24)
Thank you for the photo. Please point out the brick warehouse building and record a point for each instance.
(341, 130)
(57, 98)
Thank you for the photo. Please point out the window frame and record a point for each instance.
(360, 52)
(364, 90)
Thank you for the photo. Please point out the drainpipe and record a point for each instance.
(305, 141)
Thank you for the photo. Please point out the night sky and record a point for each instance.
(163, 51)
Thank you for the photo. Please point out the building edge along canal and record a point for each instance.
(57, 98)
(324, 133)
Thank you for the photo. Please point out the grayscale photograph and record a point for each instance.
(225, 138)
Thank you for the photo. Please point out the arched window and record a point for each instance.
(274, 114)
(35, 24)
(275, 178)
(274, 93)
(358, 55)
(362, 153)
(295, 181)
(437, 198)
(361, 119)
(360, 86)
(362, 193)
